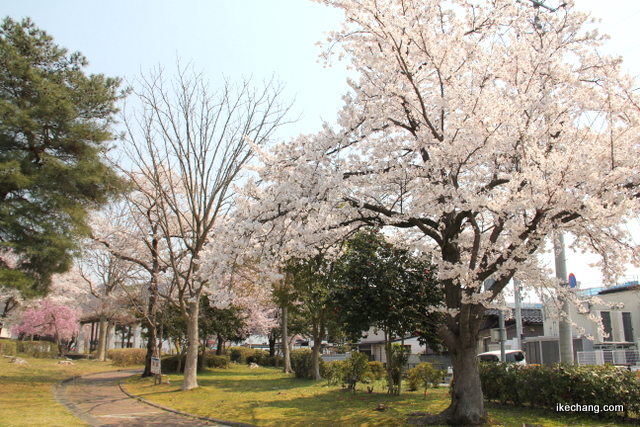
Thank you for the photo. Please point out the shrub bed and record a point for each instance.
(246, 355)
(38, 349)
(170, 363)
(8, 347)
(127, 356)
(550, 386)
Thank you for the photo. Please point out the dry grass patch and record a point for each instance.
(26, 397)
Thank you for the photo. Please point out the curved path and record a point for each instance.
(98, 400)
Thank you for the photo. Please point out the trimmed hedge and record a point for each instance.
(38, 349)
(548, 386)
(127, 356)
(246, 355)
(8, 347)
(170, 363)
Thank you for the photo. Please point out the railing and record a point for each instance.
(614, 357)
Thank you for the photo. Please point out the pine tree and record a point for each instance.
(55, 128)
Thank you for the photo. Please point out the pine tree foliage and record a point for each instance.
(55, 126)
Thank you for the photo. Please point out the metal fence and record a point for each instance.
(613, 357)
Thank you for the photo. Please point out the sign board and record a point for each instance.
(155, 365)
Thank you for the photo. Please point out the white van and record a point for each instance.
(515, 356)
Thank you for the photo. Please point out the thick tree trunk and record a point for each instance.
(317, 331)
(285, 342)
(220, 346)
(191, 363)
(101, 351)
(151, 348)
(467, 400)
(272, 344)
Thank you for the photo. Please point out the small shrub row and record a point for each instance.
(38, 349)
(127, 356)
(246, 355)
(8, 347)
(548, 386)
(170, 363)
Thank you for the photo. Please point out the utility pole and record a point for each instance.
(566, 340)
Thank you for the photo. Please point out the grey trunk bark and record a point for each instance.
(285, 342)
(191, 362)
(101, 351)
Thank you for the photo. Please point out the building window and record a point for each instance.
(627, 327)
(606, 323)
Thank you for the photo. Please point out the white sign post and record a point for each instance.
(155, 369)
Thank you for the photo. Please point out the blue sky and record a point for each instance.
(243, 38)
(252, 38)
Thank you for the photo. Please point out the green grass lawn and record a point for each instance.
(26, 397)
(266, 397)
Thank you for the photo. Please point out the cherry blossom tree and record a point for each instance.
(479, 130)
(131, 231)
(191, 144)
(105, 275)
(49, 318)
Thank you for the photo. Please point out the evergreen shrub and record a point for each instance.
(302, 363)
(127, 356)
(424, 376)
(38, 349)
(548, 386)
(8, 347)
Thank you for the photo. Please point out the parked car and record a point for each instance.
(515, 356)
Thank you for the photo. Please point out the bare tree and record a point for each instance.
(105, 275)
(191, 144)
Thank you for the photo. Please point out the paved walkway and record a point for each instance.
(98, 400)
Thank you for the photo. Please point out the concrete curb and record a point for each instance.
(186, 414)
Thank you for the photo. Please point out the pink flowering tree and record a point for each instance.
(49, 318)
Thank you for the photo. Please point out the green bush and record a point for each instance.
(258, 356)
(242, 355)
(8, 347)
(272, 361)
(38, 349)
(424, 376)
(127, 356)
(213, 361)
(357, 369)
(377, 370)
(170, 363)
(548, 386)
(302, 363)
(334, 372)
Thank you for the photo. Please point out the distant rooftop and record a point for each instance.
(529, 315)
(630, 285)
